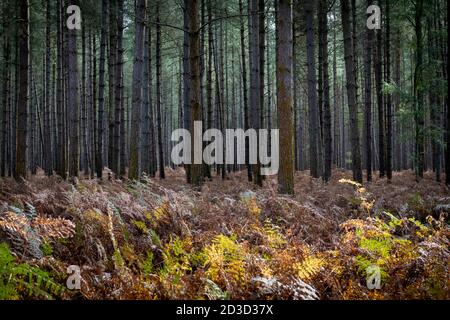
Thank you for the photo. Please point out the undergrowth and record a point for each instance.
(152, 240)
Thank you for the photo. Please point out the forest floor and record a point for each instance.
(163, 240)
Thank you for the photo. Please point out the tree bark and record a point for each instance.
(351, 91)
(135, 161)
(285, 100)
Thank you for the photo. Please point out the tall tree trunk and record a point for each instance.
(314, 125)
(380, 105)
(285, 96)
(419, 113)
(209, 80)
(134, 172)
(22, 109)
(255, 96)
(61, 163)
(389, 115)
(162, 174)
(113, 139)
(368, 43)
(73, 103)
(323, 13)
(119, 113)
(47, 105)
(6, 93)
(100, 160)
(245, 88)
(351, 91)
(195, 109)
(146, 139)
(186, 80)
(83, 106)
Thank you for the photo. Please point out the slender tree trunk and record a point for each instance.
(186, 80)
(255, 95)
(145, 155)
(162, 174)
(379, 89)
(323, 12)
(6, 93)
(120, 126)
(368, 97)
(61, 163)
(113, 138)
(100, 161)
(194, 58)
(419, 113)
(73, 103)
(389, 114)
(22, 110)
(134, 172)
(285, 96)
(245, 89)
(351, 91)
(314, 126)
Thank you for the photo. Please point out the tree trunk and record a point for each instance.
(100, 161)
(162, 174)
(245, 89)
(314, 125)
(368, 97)
(119, 113)
(285, 96)
(419, 113)
(323, 13)
(73, 103)
(389, 114)
(113, 139)
(194, 58)
(134, 172)
(351, 91)
(255, 95)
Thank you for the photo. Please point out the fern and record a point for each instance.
(225, 260)
(22, 280)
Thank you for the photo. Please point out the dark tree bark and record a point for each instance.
(255, 96)
(194, 58)
(245, 88)
(209, 80)
(327, 138)
(48, 165)
(22, 108)
(4, 163)
(146, 138)
(113, 140)
(73, 103)
(419, 114)
(135, 161)
(285, 96)
(119, 114)
(368, 43)
(389, 115)
(314, 125)
(162, 174)
(380, 105)
(100, 160)
(351, 91)
(186, 79)
(62, 146)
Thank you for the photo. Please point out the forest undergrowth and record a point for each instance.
(164, 240)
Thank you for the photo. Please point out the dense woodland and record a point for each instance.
(85, 148)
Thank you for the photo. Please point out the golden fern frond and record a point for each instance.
(57, 228)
